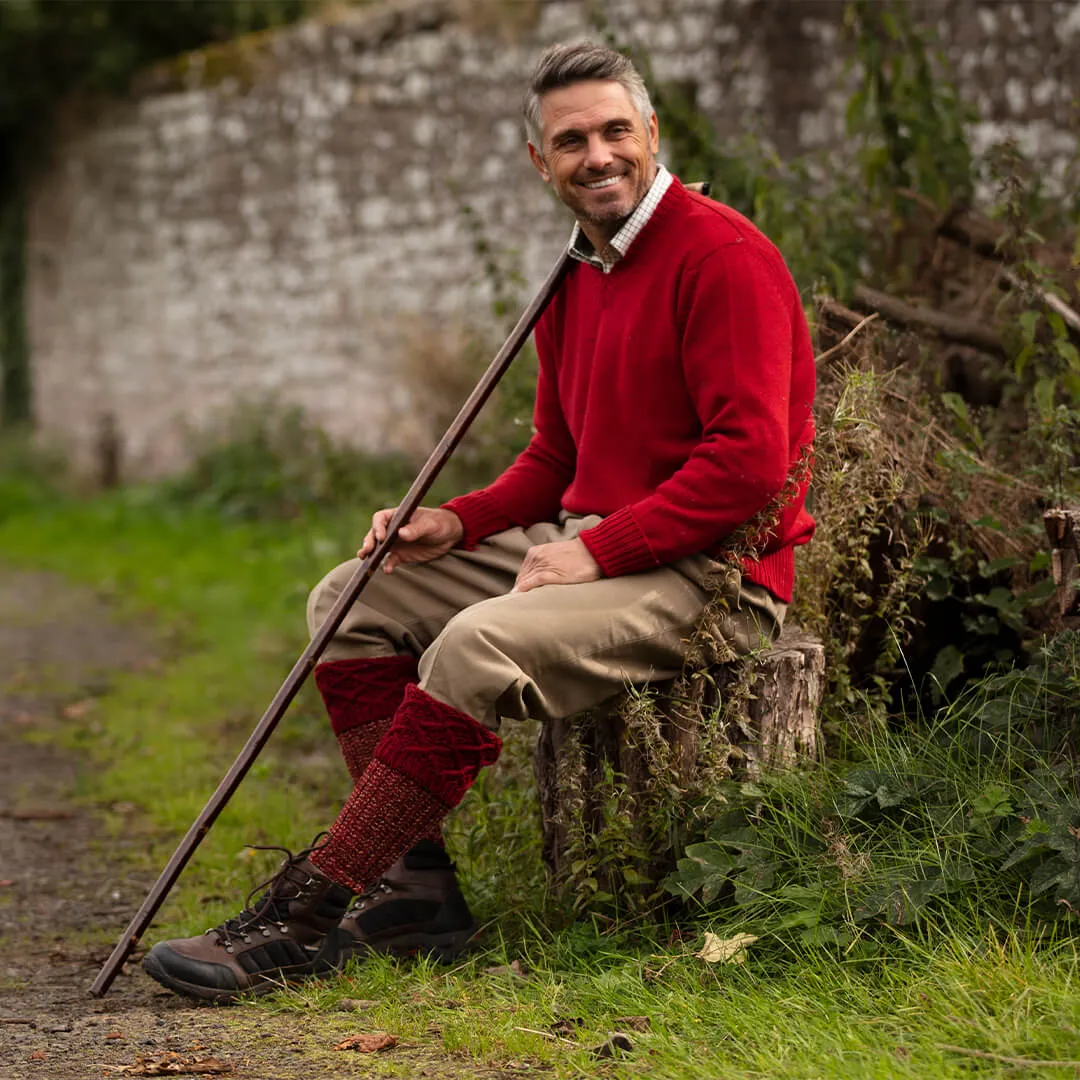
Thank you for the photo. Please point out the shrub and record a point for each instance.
(268, 461)
(977, 814)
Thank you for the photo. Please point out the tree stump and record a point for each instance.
(1063, 529)
(622, 792)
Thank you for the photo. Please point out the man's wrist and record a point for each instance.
(455, 525)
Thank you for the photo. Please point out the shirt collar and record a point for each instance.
(581, 249)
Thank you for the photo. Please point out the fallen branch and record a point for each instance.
(948, 326)
(1023, 1063)
(980, 234)
(844, 340)
(835, 310)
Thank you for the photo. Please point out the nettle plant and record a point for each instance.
(979, 814)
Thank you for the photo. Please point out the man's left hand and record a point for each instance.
(567, 562)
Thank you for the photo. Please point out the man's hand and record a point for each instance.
(427, 535)
(567, 562)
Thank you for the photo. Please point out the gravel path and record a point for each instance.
(67, 889)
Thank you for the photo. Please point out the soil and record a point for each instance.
(68, 889)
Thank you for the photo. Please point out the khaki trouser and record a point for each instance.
(547, 653)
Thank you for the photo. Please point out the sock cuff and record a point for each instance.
(363, 690)
(438, 747)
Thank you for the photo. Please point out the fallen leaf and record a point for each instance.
(356, 1004)
(115, 1035)
(78, 709)
(6, 883)
(617, 1043)
(368, 1044)
(634, 1023)
(171, 1064)
(566, 1025)
(38, 1055)
(732, 950)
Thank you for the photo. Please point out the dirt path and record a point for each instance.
(66, 891)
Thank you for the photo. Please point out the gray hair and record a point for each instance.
(563, 65)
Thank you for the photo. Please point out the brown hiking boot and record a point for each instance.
(415, 908)
(267, 945)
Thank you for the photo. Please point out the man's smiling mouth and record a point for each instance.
(596, 185)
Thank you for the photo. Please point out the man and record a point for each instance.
(673, 412)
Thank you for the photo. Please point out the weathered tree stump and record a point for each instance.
(621, 792)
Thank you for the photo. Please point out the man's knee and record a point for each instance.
(473, 662)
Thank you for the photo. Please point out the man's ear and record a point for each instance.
(654, 133)
(538, 160)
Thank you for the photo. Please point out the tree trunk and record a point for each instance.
(621, 792)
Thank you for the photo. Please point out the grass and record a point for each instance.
(955, 997)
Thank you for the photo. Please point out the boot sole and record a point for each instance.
(221, 995)
(446, 948)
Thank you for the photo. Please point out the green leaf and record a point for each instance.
(711, 857)
(938, 588)
(1047, 875)
(1069, 353)
(1029, 324)
(1045, 395)
(948, 665)
(753, 882)
(825, 935)
(990, 567)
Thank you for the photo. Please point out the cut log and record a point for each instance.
(947, 326)
(1063, 529)
(622, 791)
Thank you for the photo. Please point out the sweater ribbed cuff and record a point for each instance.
(480, 515)
(619, 545)
(775, 571)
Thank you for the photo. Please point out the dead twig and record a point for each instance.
(545, 1035)
(844, 340)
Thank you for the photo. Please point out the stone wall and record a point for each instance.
(297, 215)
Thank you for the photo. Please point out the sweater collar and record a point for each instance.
(581, 248)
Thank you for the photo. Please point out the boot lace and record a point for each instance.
(380, 888)
(289, 883)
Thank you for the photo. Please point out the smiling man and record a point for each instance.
(673, 414)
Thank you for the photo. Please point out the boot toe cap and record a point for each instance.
(168, 964)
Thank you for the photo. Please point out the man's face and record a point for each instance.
(598, 155)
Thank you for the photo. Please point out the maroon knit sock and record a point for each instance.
(421, 770)
(361, 697)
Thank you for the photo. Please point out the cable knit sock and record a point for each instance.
(420, 771)
(361, 697)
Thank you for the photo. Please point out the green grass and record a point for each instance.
(225, 602)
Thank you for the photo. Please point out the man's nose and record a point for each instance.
(598, 154)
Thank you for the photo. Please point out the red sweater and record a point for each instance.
(674, 399)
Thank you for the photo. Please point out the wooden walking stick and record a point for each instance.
(302, 668)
